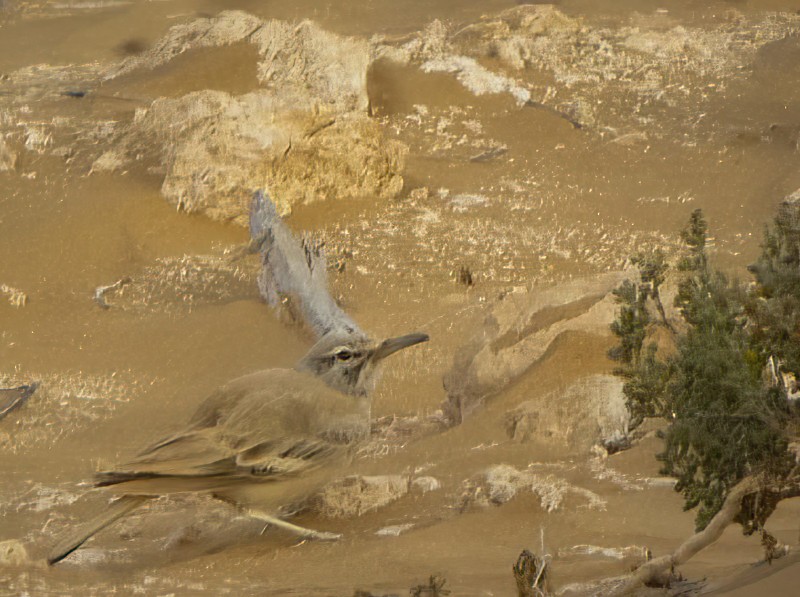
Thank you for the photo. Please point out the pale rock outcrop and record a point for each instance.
(599, 75)
(590, 410)
(305, 135)
(13, 553)
(500, 483)
(432, 51)
(591, 73)
(517, 332)
(297, 60)
(8, 158)
(357, 495)
(517, 34)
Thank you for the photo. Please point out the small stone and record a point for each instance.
(420, 194)
(426, 484)
(8, 158)
(37, 139)
(394, 530)
(356, 495)
(13, 553)
(16, 297)
(108, 162)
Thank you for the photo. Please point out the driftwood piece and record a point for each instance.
(530, 574)
(433, 588)
(100, 292)
(11, 398)
(294, 274)
(659, 571)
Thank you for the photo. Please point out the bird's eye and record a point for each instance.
(344, 355)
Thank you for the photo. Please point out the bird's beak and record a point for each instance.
(392, 345)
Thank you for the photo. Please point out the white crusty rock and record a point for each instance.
(590, 410)
(357, 495)
(13, 553)
(513, 337)
(15, 297)
(394, 530)
(500, 483)
(433, 51)
(596, 69)
(304, 134)
(426, 484)
(295, 59)
(8, 158)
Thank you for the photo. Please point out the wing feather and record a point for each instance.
(265, 426)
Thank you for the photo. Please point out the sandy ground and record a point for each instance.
(657, 111)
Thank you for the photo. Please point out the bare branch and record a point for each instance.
(659, 569)
(294, 272)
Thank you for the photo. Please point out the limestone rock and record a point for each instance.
(38, 138)
(8, 158)
(500, 483)
(13, 553)
(433, 51)
(593, 74)
(590, 410)
(394, 530)
(476, 78)
(426, 484)
(304, 136)
(645, 61)
(15, 297)
(357, 495)
(517, 333)
(298, 60)
(514, 34)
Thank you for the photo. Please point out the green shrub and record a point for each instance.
(725, 422)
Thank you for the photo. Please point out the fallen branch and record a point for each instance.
(530, 573)
(100, 292)
(293, 272)
(659, 570)
(11, 398)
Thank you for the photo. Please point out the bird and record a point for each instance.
(261, 442)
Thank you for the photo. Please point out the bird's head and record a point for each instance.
(348, 360)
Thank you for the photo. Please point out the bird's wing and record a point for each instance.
(262, 426)
(269, 388)
(260, 390)
(290, 456)
(195, 453)
(201, 455)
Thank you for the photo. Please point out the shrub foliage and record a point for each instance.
(728, 417)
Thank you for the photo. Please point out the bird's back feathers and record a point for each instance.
(260, 427)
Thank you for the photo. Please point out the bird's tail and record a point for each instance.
(78, 537)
